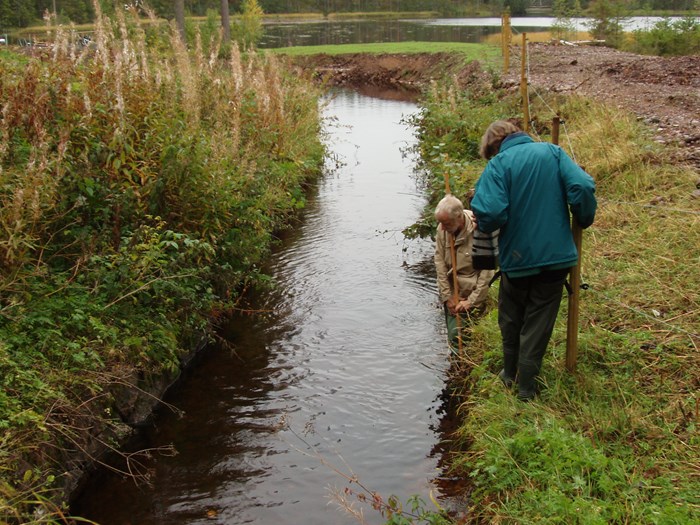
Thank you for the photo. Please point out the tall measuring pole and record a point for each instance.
(455, 281)
(574, 281)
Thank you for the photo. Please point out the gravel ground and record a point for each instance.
(663, 91)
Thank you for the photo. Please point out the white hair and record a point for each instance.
(449, 205)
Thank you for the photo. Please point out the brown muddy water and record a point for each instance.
(342, 376)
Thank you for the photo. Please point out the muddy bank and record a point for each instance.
(390, 75)
(133, 397)
(664, 92)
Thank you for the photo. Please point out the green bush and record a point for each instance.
(449, 130)
(607, 17)
(668, 37)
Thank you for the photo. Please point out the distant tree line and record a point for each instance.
(21, 13)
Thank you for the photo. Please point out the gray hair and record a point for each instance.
(450, 206)
(493, 137)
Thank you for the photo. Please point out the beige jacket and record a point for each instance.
(473, 284)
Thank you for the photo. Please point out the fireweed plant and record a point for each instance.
(141, 183)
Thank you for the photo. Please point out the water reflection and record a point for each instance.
(523, 23)
(369, 31)
(342, 376)
(472, 30)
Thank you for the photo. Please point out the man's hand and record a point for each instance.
(459, 307)
(474, 224)
(451, 306)
(463, 306)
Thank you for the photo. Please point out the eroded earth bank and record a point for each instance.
(662, 91)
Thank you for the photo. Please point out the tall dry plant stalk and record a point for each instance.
(102, 96)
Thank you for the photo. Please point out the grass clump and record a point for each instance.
(616, 441)
(141, 183)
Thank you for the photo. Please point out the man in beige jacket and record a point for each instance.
(455, 221)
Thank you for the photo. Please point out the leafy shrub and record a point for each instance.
(248, 30)
(668, 37)
(449, 130)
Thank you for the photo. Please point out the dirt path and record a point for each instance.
(664, 92)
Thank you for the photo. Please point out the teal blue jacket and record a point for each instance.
(527, 190)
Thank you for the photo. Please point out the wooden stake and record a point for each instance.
(555, 130)
(455, 281)
(574, 281)
(503, 33)
(506, 67)
(523, 85)
(506, 42)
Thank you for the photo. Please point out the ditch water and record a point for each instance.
(342, 374)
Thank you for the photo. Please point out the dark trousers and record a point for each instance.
(527, 311)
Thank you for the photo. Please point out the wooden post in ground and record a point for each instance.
(523, 85)
(509, 33)
(555, 130)
(503, 34)
(574, 281)
(506, 37)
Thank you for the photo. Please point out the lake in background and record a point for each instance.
(472, 30)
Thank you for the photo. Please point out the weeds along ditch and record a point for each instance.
(617, 440)
(141, 186)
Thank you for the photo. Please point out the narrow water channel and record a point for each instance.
(341, 376)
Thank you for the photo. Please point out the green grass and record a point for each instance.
(471, 51)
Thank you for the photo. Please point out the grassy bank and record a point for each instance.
(141, 186)
(488, 53)
(617, 441)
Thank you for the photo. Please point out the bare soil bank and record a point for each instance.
(394, 76)
(663, 91)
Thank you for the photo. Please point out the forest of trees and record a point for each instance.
(21, 13)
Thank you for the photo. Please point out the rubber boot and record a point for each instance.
(510, 369)
(505, 379)
(527, 381)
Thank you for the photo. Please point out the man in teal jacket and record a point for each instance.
(526, 191)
